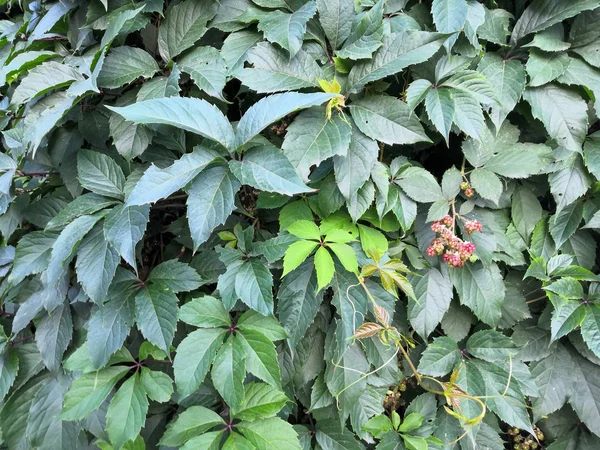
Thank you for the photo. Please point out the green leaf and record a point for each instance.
(449, 16)
(387, 119)
(568, 183)
(481, 289)
(260, 402)
(254, 286)
(563, 113)
(352, 169)
(9, 367)
(553, 377)
(468, 115)
(261, 356)
(440, 357)
(158, 385)
(298, 301)
(324, 267)
(568, 287)
(156, 315)
(330, 436)
(89, 390)
(124, 228)
(271, 434)
(399, 50)
(296, 254)
(32, 255)
(526, 211)
(545, 67)
(434, 293)
(567, 315)
(127, 411)
(190, 114)
(99, 173)
(585, 397)
(266, 168)
(184, 24)
(229, 371)
(346, 255)
(176, 276)
(274, 71)
(440, 110)
(565, 223)
(414, 442)
(272, 108)
(42, 79)
(508, 77)
(365, 35)
(285, 29)
(131, 140)
(336, 19)
(207, 68)
(190, 423)
(124, 65)
(520, 161)
(160, 183)
(97, 262)
(205, 312)
(378, 425)
(486, 184)
(108, 327)
(236, 50)
(590, 329)
(194, 357)
(267, 325)
(491, 345)
(419, 185)
(22, 62)
(210, 201)
(541, 14)
(311, 139)
(212, 441)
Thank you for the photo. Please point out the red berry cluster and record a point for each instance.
(456, 251)
(469, 191)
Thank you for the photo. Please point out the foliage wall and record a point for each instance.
(292, 224)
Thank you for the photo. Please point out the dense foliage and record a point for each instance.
(300, 224)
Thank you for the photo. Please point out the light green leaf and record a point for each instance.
(434, 293)
(124, 65)
(207, 68)
(210, 201)
(286, 29)
(545, 67)
(352, 170)
(267, 325)
(449, 16)
(563, 112)
(108, 327)
(346, 255)
(388, 120)
(205, 312)
(399, 51)
(274, 71)
(124, 228)
(481, 289)
(261, 401)
(176, 276)
(365, 35)
(184, 24)
(89, 390)
(324, 267)
(508, 78)
(440, 110)
(229, 370)
(254, 286)
(156, 315)
(160, 183)
(22, 62)
(440, 357)
(158, 385)
(419, 185)
(194, 357)
(190, 423)
(336, 19)
(266, 168)
(100, 174)
(487, 184)
(271, 434)
(127, 411)
(190, 114)
(296, 254)
(212, 441)
(42, 79)
(311, 139)
(272, 108)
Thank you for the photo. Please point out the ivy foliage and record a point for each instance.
(300, 224)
